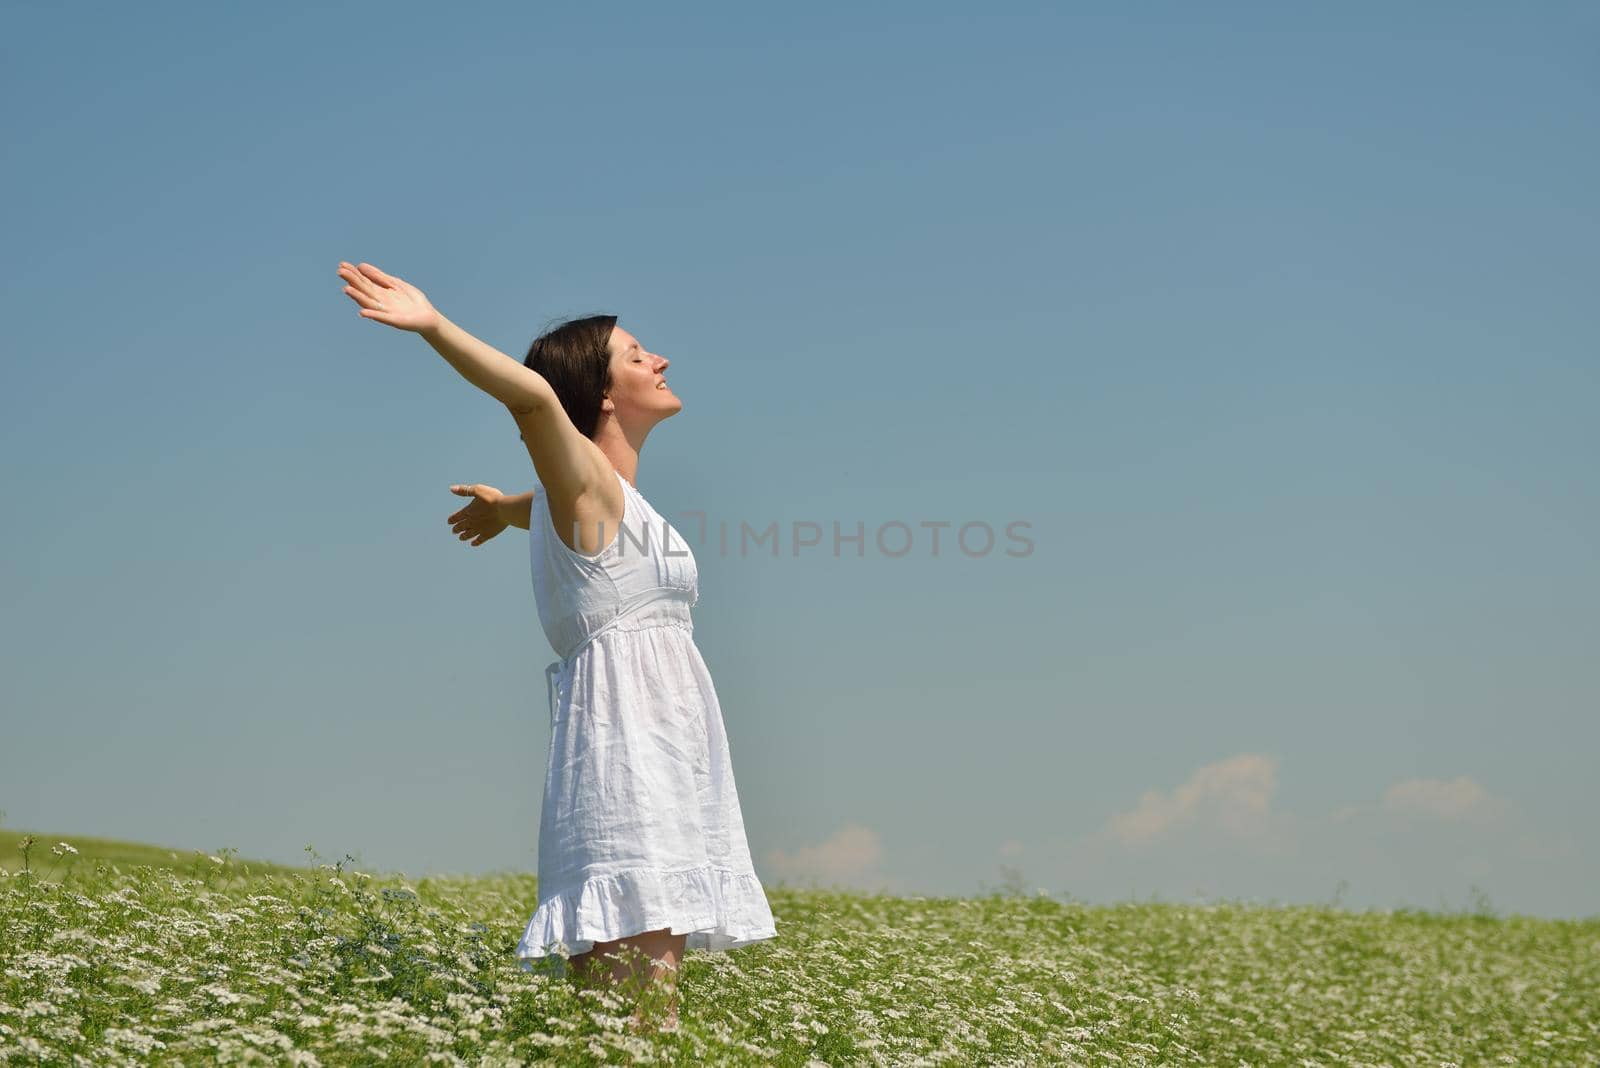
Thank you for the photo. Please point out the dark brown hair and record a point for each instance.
(573, 359)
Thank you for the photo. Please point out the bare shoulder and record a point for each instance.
(580, 489)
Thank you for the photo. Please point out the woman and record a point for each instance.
(642, 849)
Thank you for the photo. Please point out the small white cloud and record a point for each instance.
(851, 855)
(1426, 805)
(1232, 795)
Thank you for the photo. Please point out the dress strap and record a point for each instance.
(550, 688)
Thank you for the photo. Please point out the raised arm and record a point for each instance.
(399, 304)
(579, 480)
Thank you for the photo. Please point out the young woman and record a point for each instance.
(642, 849)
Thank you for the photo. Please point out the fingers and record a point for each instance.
(464, 525)
(463, 491)
(366, 300)
(386, 280)
(359, 280)
(365, 292)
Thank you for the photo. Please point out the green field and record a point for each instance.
(134, 954)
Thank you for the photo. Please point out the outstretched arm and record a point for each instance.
(399, 304)
(517, 511)
(488, 513)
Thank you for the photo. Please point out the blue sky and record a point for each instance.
(1276, 327)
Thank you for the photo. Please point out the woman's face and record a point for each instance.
(638, 381)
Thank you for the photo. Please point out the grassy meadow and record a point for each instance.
(114, 953)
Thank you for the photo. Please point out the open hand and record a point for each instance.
(481, 518)
(386, 298)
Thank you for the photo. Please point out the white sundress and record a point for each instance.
(641, 827)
